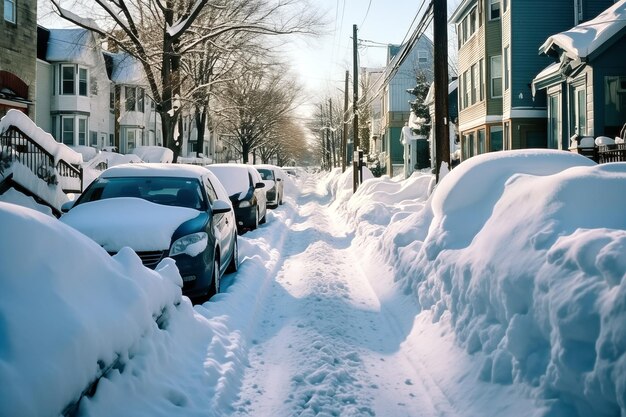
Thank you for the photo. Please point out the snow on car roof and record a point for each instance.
(154, 170)
(234, 177)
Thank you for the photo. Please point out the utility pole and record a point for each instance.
(344, 141)
(440, 35)
(355, 98)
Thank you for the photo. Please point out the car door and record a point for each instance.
(222, 223)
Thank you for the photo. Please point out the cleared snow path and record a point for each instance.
(325, 345)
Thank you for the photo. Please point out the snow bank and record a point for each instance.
(523, 252)
(68, 318)
(154, 154)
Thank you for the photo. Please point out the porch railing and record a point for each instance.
(18, 146)
(612, 153)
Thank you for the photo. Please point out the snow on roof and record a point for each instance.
(127, 69)
(582, 40)
(57, 150)
(71, 45)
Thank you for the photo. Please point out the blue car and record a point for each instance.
(163, 210)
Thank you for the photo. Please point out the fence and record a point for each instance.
(18, 146)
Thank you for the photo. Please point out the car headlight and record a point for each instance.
(244, 203)
(191, 245)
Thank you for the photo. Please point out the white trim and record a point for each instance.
(479, 122)
(525, 113)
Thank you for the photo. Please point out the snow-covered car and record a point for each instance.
(274, 180)
(244, 186)
(162, 210)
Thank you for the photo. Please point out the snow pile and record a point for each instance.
(154, 154)
(523, 253)
(66, 320)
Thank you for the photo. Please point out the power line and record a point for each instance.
(366, 13)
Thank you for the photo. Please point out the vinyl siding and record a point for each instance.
(606, 65)
(556, 16)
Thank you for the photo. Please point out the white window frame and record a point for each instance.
(62, 80)
(493, 6)
(496, 69)
(422, 56)
(10, 11)
(481, 68)
(554, 142)
(83, 83)
(474, 72)
(580, 128)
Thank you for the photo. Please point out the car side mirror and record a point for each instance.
(220, 206)
(67, 206)
(259, 185)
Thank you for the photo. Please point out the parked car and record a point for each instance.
(274, 180)
(160, 210)
(244, 186)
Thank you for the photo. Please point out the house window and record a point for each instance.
(9, 11)
(112, 99)
(131, 98)
(466, 89)
(422, 56)
(554, 121)
(481, 142)
(506, 69)
(472, 21)
(82, 82)
(141, 99)
(496, 76)
(580, 111)
(494, 9)
(474, 83)
(93, 138)
(82, 131)
(74, 130)
(505, 5)
(67, 80)
(67, 132)
(481, 69)
(614, 102)
(495, 138)
(130, 140)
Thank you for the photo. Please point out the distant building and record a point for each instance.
(390, 89)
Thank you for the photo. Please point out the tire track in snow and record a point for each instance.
(324, 346)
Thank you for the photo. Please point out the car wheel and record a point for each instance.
(256, 219)
(233, 266)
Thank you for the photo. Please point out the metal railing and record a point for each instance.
(612, 153)
(20, 147)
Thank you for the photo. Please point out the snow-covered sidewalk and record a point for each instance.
(327, 346)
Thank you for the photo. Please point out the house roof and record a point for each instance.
(583, 40)
(461, 11)
(71, 45)
(126, 69)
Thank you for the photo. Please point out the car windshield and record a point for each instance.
(266, 174)
(169, 191)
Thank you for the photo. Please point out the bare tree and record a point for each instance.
(159, 33)
(254, 104)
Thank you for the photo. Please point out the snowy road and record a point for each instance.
(326, 345)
